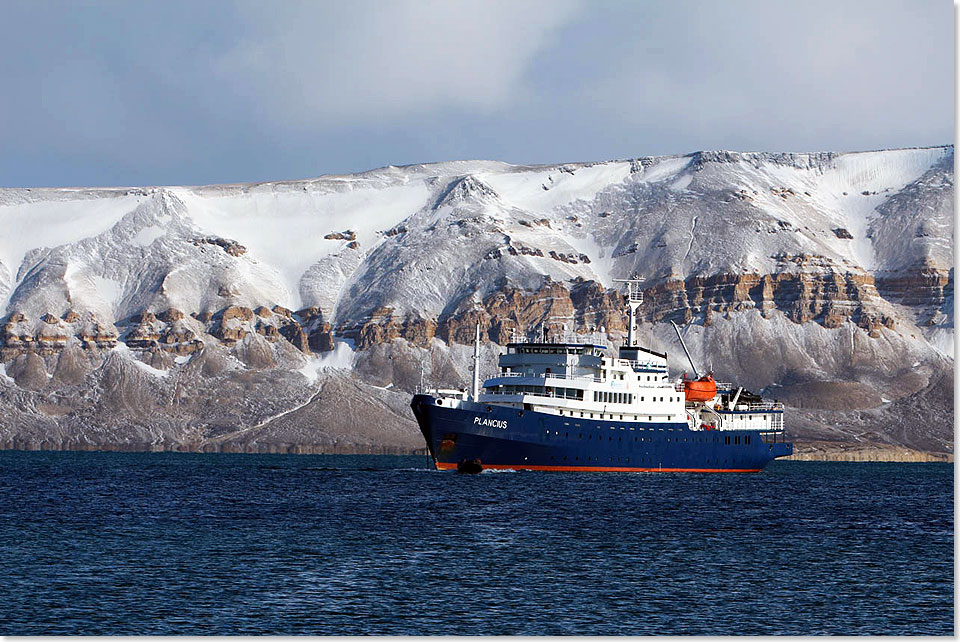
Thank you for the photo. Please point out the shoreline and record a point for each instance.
(803, 451)
(834, 451)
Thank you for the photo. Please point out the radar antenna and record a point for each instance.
(634, 299)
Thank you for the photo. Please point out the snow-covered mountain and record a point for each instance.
(824, 278)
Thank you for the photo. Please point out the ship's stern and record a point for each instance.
(782, 449)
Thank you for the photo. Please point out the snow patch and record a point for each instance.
(664, 168)
(285, 229)
(543, 191)
(109, 290)
(681, 183)
(148, 235)
(340, 358)
(942, 340)
(601, 258)
(51, 223)
(3, 374)
(150, 370)
(90, 291)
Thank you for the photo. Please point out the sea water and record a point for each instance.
(126, 543)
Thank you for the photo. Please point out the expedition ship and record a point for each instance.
(567, 406)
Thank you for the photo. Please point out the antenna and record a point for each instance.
(634, 299)
(684, 346)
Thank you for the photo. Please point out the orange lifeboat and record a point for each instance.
(702, 389)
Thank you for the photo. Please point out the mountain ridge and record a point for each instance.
(838, 263)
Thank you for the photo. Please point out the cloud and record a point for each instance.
(319, 65)
(101, 92)
(792, 76)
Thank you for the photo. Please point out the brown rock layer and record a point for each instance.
(48, 335)
(828, 297)
(925, 287)
(169, 331)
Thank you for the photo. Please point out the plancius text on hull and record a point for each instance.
(567, 406)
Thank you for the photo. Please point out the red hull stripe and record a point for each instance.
(604, 469)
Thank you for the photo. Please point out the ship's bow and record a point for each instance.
(419, 404)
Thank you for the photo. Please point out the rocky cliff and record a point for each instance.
(297, 316)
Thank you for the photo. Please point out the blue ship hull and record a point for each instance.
(508, 438)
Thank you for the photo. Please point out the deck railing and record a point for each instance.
(650, 365)
(549, 375)
(763, 406)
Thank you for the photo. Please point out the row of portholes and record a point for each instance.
(566, 435)
(597, 459)
(642, 460)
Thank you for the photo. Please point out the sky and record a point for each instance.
(184, 93)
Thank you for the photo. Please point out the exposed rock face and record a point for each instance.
(170, 331)
(72, 366)
(229, 246)
(255, 352)
(312, 332)
(382, 429)
(348, 235)
(926, 289)
(48, 335)
(505, 315)
(235, 324)
(29, 371)
(834, 451)
(828, 298)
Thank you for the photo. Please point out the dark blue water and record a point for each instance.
(101, 543)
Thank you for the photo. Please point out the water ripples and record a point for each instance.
(109, 543)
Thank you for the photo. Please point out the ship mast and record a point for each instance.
(634, 299)
(476, 365)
